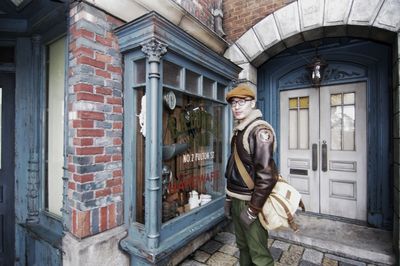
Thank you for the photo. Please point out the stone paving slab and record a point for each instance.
(222, 251)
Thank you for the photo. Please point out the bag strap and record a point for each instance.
(242, 170)
(290, 218)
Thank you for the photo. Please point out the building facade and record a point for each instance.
(115, 130)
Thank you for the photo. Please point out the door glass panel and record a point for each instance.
(336, 127)
(348, 128)
(298, 123)
(292, 129)
(336, 99)
(303, 128)
(348, 98)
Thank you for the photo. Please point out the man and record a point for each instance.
(254, 141)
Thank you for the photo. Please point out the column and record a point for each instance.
(154, 50)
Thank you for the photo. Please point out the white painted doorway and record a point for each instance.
(323, 150)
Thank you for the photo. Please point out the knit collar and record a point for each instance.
(242, 124)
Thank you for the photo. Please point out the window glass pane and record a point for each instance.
(192, 81)
(336, 99)
(221, 92)
(336, 128)
(293, 103)
(292, 129)
(348, 128)
(303, 128)
(1, 122)
(7, 54)
(192, 154)
(303, 102)
(171, 74)
(140, 158)
(140, 71)
(348, 98)
(55, 126)
(208, 87)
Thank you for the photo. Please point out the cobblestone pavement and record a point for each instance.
(222, 251)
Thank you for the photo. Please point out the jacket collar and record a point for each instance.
(242, 124)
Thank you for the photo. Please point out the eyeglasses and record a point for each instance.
(240, 102)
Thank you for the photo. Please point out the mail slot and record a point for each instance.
(298, 172)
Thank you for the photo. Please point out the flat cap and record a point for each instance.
(241, 91)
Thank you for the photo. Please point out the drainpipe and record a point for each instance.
(154, 50)
(33, 164)
(218, 17)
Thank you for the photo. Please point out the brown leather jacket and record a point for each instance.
(257, 157)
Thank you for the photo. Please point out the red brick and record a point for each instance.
(117, 157)
(83, 141)
(102, 192)
(91, 62)
(76, 33)
(114, 182)
(83, 222)
(72, 185)
(103, 90)
(103, 159)
(91, 115)
(117, 109)
(114, 20)
(71, 167)
(80, 96)
(82, 123)
(116, 190)
(83, 87)
(90, 133)
(83, 178)
(114, 69)
(102, 73)
(103, 219)
(117, 173)
(83, 51)
(117, 141)
(89, 150)
(74, 222)
(117, 125)
(114, 100)
(104, 41)
(103, 58)
(112, 222)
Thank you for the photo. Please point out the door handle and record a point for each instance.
(324, 151)
(314, 157)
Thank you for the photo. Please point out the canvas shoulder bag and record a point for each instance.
(281, 205)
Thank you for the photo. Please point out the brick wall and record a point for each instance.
(201, 9)
(239, 16)
(95, 123)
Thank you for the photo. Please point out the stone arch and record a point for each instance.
(308, 20)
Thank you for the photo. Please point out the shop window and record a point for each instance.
(208, 87)
(192, 81)
(192, 153)
(221, 92)
(172, 74)
(54, 160)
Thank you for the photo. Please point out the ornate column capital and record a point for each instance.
(154, 49)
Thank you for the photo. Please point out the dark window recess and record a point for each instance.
(6, 54)
(298, 172)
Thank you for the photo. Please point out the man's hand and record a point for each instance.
(227, 208)
(248, 216)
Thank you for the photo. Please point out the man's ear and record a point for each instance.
(253, 104)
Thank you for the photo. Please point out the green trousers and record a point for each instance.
(252, 242)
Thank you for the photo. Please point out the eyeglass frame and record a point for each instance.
(240, 102)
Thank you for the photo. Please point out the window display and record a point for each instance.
(192, 147)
